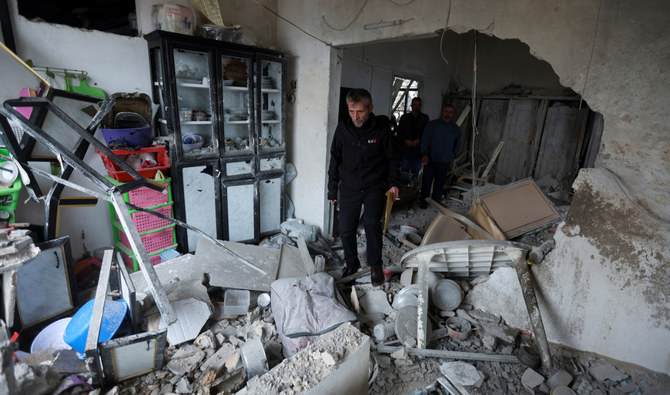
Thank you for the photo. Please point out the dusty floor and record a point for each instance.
(188, 367)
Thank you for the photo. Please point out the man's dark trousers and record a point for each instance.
(374, 201)
(436, 171)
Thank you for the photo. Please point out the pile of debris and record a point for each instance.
(425, 330)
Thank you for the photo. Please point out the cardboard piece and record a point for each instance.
(450, 226)
(514, 210)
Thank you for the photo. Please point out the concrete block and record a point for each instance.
(192, 314)
(531, 379)
(217, 361)
(602, 371)
(309, 372)
(560, 377)
(462, 373)
(186, 363)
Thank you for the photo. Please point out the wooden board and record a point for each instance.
(519, 208)
(520, 132)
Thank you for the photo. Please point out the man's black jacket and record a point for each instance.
(362, 158)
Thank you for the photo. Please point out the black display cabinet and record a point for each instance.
(222, 106)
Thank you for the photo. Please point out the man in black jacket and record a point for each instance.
(363, 166)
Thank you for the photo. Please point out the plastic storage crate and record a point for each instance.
(146, 222)
(130, 260)
(115, 172)
(156, 240)
(146, 197)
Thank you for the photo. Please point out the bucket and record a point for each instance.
(50, 339)
(113, 316)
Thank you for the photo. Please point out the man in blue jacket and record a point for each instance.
(363, 166)
(440, 144)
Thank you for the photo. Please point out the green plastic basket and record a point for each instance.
(9, 197)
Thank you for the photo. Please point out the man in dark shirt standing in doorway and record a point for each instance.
(363, 166)
(410, 129)
(440, 144)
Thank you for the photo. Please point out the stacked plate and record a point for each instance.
(267, 83)
(236, 114)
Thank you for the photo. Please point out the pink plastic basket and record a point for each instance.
(145, 222)
(154, 241)
(131, 262)
(146, 197)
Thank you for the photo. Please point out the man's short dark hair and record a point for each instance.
(417, 99)
(359, 95)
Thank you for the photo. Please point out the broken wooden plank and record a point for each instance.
(494, 156)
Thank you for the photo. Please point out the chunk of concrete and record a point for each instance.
(500, 331)
(35, 379)
(233, 361)
(186, 362)
(602, 371)
(531, 379)
(560, 377)
(462, 373)
(302, 373)
(205, 340)
(217, 361)
(501, 293)
(376, 302)
(192, 314)
(183, 386)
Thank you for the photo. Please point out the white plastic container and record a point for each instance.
(236, 302)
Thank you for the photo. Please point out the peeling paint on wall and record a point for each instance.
(617, 229)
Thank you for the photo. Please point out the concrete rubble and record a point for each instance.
(348, 359)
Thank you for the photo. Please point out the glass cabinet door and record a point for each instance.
(271, 133)
(238, 109)
(194, 100)
(199, 201)
(239, 213)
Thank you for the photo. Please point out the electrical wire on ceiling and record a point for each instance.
(473, 114)
(323, 17)
(446, 26)
(593, 48)
(401, 4)
(293, 24)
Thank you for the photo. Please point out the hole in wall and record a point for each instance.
(547, 131)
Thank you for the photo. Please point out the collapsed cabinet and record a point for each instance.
(222, 105)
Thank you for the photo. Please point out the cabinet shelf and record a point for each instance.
(196, 123)
(236, 88)
(192, 85)
(270, 121)
(270, 91)
(237, 122)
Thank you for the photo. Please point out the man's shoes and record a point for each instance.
(423, 203)
(377, 275)
(348, 271)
